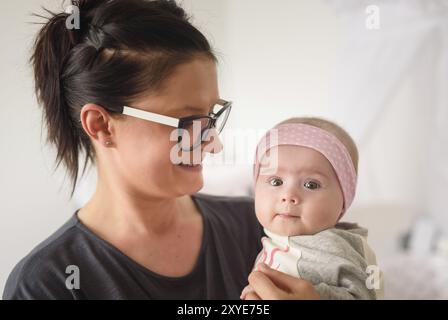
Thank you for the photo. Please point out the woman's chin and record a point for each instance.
(193, 186)
(188, 179)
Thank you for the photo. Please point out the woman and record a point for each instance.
(134, 90)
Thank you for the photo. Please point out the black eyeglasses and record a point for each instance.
(192, 130)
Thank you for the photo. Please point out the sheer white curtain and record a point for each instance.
(406, 55)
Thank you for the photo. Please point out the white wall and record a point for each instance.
(33, 202)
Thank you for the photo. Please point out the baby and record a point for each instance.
(305, 176)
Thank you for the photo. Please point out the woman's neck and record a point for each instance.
(119, 209)
(163, 235)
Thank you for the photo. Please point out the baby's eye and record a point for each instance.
(275, 182)
(311, 185)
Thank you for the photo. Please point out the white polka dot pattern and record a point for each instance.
(328, 145)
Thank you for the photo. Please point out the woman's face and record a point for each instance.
(302, 196)
(141, 156)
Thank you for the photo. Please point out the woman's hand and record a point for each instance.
(247, 290)
(269, 284)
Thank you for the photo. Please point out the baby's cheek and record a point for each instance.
(263, 217)
(321, 220)
(263, 214)
(264, 206)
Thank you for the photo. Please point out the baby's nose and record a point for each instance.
(290, 199)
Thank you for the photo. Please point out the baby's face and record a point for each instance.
(302, 197)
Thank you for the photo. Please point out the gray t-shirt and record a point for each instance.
(231, 241)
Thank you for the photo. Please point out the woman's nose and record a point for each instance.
(212, 143)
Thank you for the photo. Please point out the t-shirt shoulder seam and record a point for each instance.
(32, 255)
(28, 263)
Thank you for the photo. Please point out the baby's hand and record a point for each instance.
(245, 291)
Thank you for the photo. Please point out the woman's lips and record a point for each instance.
(197, 167)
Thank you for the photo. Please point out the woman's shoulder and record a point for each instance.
(41, 274)
(236, 214)
(227, 208)
(233, 230)
(232, 203)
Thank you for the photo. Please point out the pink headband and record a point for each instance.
(328, 145)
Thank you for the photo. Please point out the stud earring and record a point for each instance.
(108, 143)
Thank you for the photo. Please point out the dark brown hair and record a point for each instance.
(124, 49)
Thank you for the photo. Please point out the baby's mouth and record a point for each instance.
(287, 215)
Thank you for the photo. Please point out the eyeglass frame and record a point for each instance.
(178, 122)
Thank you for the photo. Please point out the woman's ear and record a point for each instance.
(95, 121)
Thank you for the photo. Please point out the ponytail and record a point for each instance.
(51, 47)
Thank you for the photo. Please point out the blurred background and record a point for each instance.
(379, 68)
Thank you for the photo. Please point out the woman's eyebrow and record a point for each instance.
(192, 109)
(197, 110)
